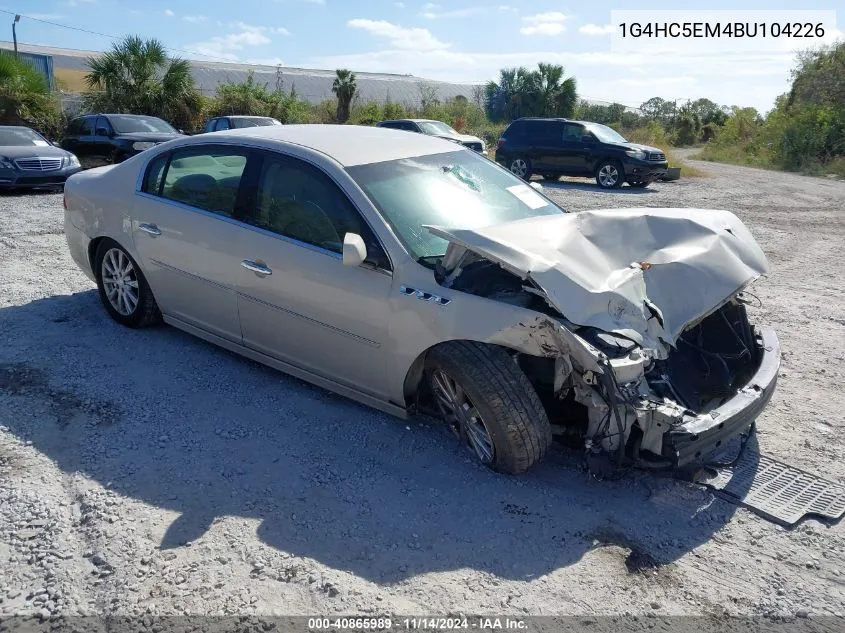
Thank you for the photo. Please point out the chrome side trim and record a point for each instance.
(346, 333)
(424, 296)
(191, 275)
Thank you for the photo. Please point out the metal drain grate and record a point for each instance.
(777, 491)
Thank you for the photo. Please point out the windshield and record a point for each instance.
(605, 134)
(255, 121)
(133, 124)
(436, 127)
(21, 137)
(453, 190)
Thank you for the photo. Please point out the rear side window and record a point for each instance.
(515, 130)
(155, 176)
(222, 124)
(204, 178)
(86, 127)
(573, 133)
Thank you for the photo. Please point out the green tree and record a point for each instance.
(344, 88)
(524, 92)
(250, 97)
(25, 97)
(136, 76)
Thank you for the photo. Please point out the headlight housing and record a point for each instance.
(72, 161)
(637, 153)
(142, 145)
(5, 163)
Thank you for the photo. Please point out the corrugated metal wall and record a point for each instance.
(43, 64)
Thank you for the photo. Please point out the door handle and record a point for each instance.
(255, 267)
(152, 229)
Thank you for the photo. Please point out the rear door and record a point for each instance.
(297, 301)
(186, 225)
(546, 146)
(575, 154)
(102, 146)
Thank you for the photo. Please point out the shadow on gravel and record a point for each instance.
(163, 418)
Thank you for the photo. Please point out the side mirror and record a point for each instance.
(354, 250)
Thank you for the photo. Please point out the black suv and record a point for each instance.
(111, 138)
(560, 147)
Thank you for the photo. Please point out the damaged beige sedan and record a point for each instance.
(411, 275)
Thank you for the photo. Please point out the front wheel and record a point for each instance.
(609, 175)
(124, 290)
(520, 167)
(489, 404)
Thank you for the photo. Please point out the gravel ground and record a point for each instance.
(148, 472)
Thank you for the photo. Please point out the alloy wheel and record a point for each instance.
(464, 418)
(120, 281)
(608, 175)
(519, 167)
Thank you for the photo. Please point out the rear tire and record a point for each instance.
(610, 175)
(124, 290)
(520, 167)
(495, 402)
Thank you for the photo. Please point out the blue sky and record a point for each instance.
(461, 40)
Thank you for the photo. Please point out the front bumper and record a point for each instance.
(644, 170)
(18, 179)
(698, 438)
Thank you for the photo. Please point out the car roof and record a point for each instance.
(15, 127)
(349, 145)
(242, 116)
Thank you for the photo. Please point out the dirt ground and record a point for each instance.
(149, 472)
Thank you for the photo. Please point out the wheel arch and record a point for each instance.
(415, 373)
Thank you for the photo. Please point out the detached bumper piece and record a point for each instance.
(698, 439)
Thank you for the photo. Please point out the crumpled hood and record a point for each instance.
(643, 273)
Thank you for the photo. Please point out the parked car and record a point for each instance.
(410, 274)
(220, 123)
(434, 128)
(560, 147)
(112, 138)
(28, 160)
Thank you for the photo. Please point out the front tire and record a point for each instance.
(124, 290)
(490, 404)
(609, 175)
(521, 167)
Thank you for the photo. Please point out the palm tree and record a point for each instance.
(25, 95)
(344, 88)
(138, 77)
(558, 96)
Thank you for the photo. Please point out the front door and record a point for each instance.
(574, 152)
(297, 301)
(186, 228)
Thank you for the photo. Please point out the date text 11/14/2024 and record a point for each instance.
(481, 623)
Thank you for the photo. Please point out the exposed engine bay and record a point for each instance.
(626, 407)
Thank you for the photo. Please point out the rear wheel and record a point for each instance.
(521, 167)
(489, 404)
(609, 175)
(123, 288)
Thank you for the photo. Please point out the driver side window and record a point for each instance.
(301, 202)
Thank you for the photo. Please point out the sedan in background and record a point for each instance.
(220, 123)
(28, 160)
(435, 128)
(412, 274)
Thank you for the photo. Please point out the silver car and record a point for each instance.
(413, 275)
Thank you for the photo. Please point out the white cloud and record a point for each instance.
(400, 37)
(457, 13)
(266, 61)
(226, 46)
(594, 29)
(315, 1)
(169, 13)
(282, 31)
(430, 6)
(399, 5)
(194, 19)
(551, 23)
